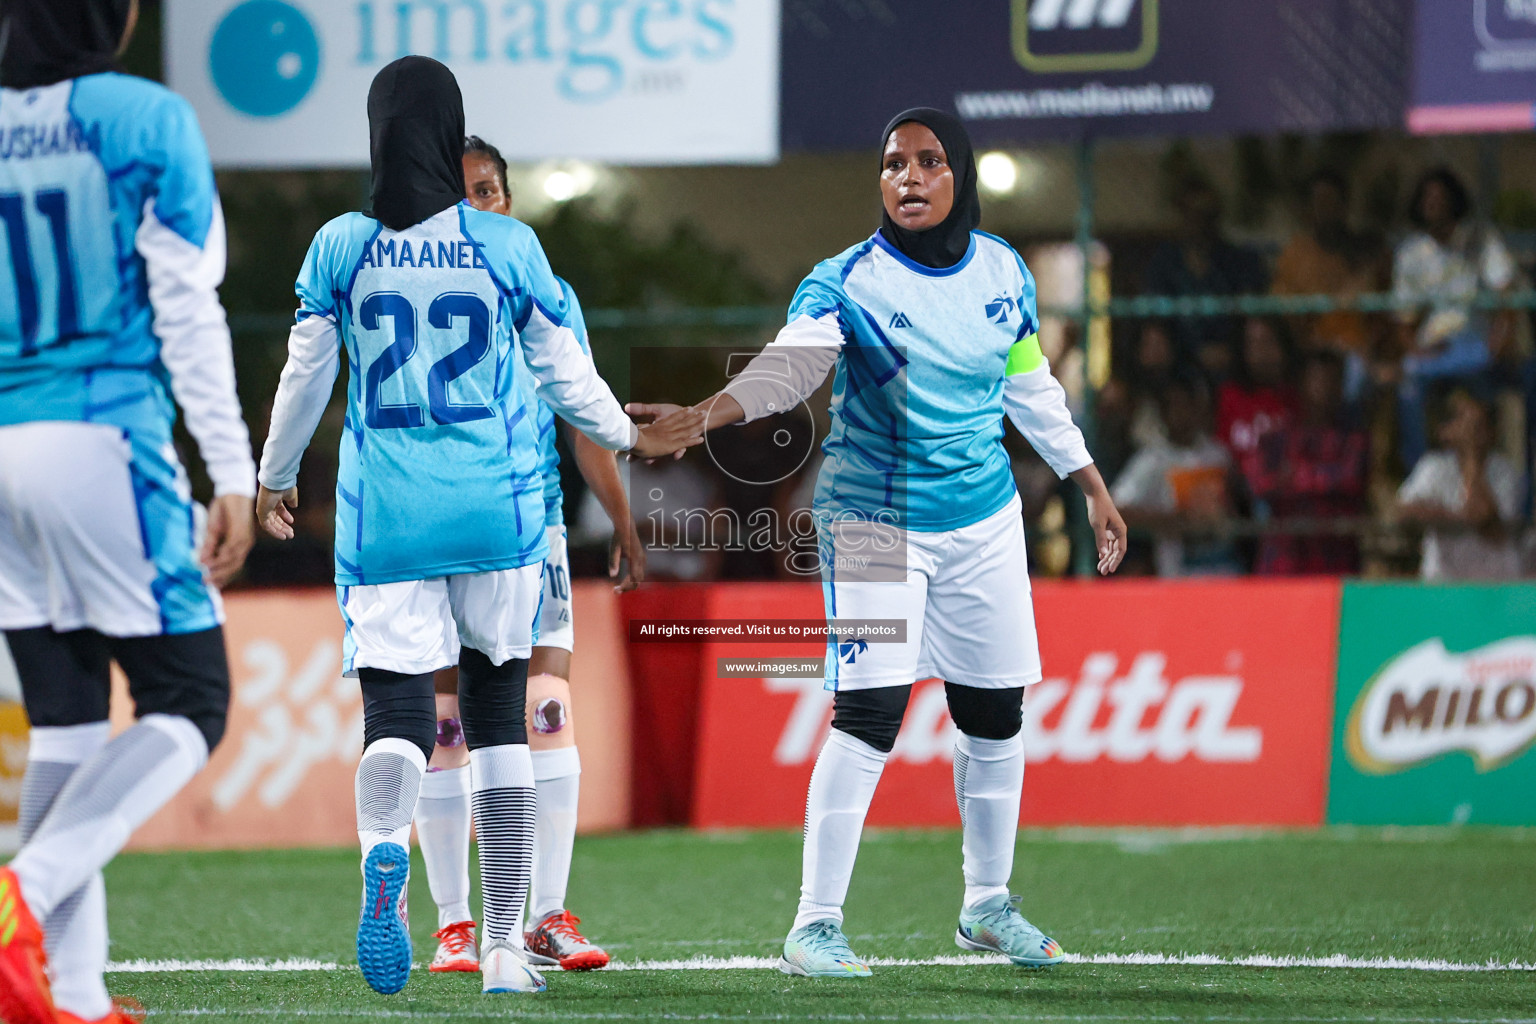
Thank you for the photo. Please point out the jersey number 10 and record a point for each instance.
(440, 314)
(53, 204)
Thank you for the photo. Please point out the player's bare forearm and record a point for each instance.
(720, 410)
(1109, 534)
(600, 469)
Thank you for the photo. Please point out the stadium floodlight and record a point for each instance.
(560, 186)
(999, 173)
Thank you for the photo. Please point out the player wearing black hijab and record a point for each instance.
(932, 329)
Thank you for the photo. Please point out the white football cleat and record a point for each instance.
(504, 969)
(456, 949)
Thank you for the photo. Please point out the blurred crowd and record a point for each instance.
(1343, 442)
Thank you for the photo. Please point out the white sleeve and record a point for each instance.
(195, 345)
(314, 359)
(569, 384)
(790, 368)
(1037, 404)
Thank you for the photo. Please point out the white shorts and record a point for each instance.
(966, 602)
(556, 625)
(417, 626)
(98, 530)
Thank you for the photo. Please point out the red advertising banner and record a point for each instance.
(1184, 703)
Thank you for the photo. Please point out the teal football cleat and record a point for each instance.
(819, 950)
(996, 926)
(383, 941)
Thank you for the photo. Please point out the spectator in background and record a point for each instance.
(1260, 399)
(1201, 262)
(1152, 370)
(1312, 468)
(1439, 268)
(1467, 497)
(1180, 490)
(1327, 257)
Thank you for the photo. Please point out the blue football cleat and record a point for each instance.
(819, 950)
(383, 940)
(996, 926)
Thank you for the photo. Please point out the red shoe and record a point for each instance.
(24, 994)
(124, 1011)
(555, 940)
(456, 949)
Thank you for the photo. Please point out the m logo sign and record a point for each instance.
(1084, 35)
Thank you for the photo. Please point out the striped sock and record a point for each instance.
(505, 804)
(388, 783)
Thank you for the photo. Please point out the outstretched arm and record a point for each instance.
(600, 469)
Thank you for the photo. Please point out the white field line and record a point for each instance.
(855, 1018)
(738, 963)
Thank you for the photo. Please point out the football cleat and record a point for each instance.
(124, 1011)
(24, 994)
(456, 949)
(556, 940)
(505, 969)
(819, 950)
(996, 926)
(383, 940)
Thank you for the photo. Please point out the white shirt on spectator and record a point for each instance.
(1464, 555)
(1147, 481)
(1445, 277)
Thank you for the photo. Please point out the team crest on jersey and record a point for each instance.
(900, 320)
(1000, 308)
(849, 650)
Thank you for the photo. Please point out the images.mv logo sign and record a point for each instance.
(1084, 35)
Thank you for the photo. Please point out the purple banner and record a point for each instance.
(1018, 70)
(1474, 67)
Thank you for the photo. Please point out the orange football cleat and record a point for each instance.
(124, 1011)
(24, 994)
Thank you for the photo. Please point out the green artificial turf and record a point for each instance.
(1466, 896)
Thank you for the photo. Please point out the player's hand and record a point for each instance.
(1108, 530)
(625, 551)
(272, 511)
(642, 412)
(669, 433)
(229, 537)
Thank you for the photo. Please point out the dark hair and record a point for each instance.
(1461, 199)
(478, 146)
(1325, 358)
(1330, 177)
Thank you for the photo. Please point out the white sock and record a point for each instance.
(842, 786)
(505, 803)
(989, 778)
(442, 829)
(106, 798)
(387, 784)
(557, 776)
(76, 932)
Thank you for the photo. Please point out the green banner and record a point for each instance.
(1436, 705)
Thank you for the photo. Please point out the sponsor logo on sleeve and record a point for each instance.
(1428, 702)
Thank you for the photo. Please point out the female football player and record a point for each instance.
(931, 326)
(443, 812)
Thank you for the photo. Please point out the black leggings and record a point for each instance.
(492, 701)
(875, 715)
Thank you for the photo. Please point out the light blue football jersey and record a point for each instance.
(79, 161)
(917, 400)
(439, 468)
(544, 417)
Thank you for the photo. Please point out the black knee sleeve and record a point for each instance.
(492, 700)
(66, 678)
(184, 674)
(986, 714)
(873, 715)
(398, 706)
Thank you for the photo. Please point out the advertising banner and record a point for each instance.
(1474, 66)
(283, 83)
(1436, 713)
(1017, 70)
(283, 775)
(1194, 703)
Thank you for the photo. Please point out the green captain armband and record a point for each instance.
(1025, 356)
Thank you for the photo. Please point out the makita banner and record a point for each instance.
(1436, 719)
(283, 83)
(1162, 704)
(1017, 70)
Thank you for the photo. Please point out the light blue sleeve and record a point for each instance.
(822, 293)
(574, 318)
(184, 192)
(316, 283)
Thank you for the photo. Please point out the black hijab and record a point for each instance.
(946, 243)
(416, 142)
(47, 41)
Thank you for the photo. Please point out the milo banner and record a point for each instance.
(1436, 714)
